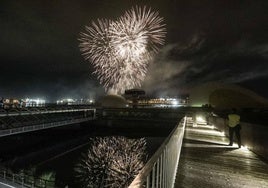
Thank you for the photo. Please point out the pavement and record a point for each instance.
(207, 161)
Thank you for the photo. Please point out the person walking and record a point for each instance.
(234, 127)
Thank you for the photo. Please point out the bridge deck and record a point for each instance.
(207, 161)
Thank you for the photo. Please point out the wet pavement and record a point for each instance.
(207, 161)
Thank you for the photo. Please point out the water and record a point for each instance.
(52, 154)
(63, 165)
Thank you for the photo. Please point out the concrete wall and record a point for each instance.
(255, 137)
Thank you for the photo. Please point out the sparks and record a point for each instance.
(121, 50)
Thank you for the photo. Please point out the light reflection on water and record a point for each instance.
(60, 168)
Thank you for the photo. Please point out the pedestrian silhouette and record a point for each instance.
(234, 127)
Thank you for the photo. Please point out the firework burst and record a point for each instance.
(121, 50)
(111, 162)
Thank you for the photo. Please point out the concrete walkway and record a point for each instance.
(207, 162)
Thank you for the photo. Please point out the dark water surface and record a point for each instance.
(53, 153)
(63, 166)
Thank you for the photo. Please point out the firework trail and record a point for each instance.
(121, 50)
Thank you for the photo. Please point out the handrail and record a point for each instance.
(42, 126)
(160, 170)
(25, 119)
(25, 180)
(29, 112)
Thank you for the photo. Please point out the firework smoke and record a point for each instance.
(121, 50)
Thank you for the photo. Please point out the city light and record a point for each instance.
(67, 101)
(200, 119)
(164, 102)
(175, 102)
(34, 102)
(71, 101)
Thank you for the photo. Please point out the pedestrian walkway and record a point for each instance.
(208, 162)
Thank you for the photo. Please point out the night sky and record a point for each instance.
(208, 40)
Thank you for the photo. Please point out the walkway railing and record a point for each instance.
(14, 124)
(24, 180)
(160, 170)
(41, 126)
(36, 111)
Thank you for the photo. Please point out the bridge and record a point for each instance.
(207, 161)
(195, 154)
(21, 120)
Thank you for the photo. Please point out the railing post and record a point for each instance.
(161, 171)
(148, 181)
(22, 182)
(153, 177)
(157, 173)
(33, 183)
(164, 169)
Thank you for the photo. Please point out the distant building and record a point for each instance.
(133, 95)
(167, 101)
(66, 101)
(113, 101)
(33, 102)
(11, 103)
(19, 103)
(70, 101)
(137, 98)
(220, 95)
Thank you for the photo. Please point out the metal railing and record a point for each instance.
(41, 126)
(160, 171)
(141, 113)
(19, 123)
(25, 180)
(36, 111)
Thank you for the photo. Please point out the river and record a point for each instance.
(53, 154)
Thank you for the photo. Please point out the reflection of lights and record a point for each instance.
(207, 126)
(200, 119)
(207, 132)
(210, 126)
(245, 147)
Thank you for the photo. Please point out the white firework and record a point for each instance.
(111, 162)
(121, 50)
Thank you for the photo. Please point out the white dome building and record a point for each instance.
(113, 101)
(221, 95)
